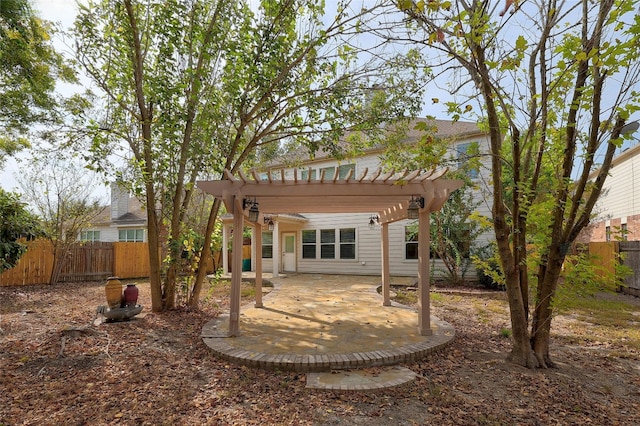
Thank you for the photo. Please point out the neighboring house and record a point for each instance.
(351, 243)
(125, 221)
(618, 208)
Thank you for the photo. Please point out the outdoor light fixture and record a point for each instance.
(253, 210)
(269, 222)
(415, 204)
(373, 220)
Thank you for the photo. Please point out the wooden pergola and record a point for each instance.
(387, 194)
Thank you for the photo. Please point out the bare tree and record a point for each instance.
(61, 192)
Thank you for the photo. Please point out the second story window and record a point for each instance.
(465, 152)
(304, 174)
(329, 172)
(343, 171)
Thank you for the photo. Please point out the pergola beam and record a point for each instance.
(387, 195)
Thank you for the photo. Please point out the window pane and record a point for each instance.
(348, 235)
(411, 251)
(267, 245)
(309, 236)
(289, 244)
(139, 235)
(463, 157)
(329, 172)
(267, 238)
(122, 235)
(347, 251)
(327, 236)
(411, 233)
(308, 251)
(327, 251)
(343, 170)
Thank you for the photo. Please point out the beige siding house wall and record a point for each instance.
(367, 258)
(618, 208)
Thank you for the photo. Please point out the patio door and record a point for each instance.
(289, 252)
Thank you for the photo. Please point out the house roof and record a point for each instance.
(135, 216)
(443, 129)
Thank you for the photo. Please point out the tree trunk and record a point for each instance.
(170, 280)
(154, 250)
(548, 275)
(194, 297)
(521, 352)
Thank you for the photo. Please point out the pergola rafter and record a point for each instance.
(386, 194)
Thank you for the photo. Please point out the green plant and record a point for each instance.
(584, 275)
(505, 332)
(488, 268)
(16, 222)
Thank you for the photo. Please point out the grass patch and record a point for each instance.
(404, 296)
(221, 289)
(505, 332)
(609, 313)
(612, 320)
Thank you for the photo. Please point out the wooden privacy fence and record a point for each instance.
(605, 255)
(88, 262)
(631, 251)
(34, 267)
(85, 262)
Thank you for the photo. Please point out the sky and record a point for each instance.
(63, 12)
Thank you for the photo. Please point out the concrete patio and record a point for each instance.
(315, 322)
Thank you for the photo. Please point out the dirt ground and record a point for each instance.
(58, 368)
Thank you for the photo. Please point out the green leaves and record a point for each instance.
(16, 222)
(29, 68)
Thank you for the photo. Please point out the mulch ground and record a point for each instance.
(57, 368)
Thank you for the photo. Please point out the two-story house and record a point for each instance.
(349, 243)
(124, 221)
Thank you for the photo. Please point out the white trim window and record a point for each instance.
(304, 174)
(343, 170)
(333, 244)
(464, 154)
(309, 243)
(329, 172)
(347, 243)
(133, 235)
(91, 236)
(411, 242)
(267, 245)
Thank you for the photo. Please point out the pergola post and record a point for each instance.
(386, 280)
(225, 250)
(236, 270)
(275, 257)
(386, 193)
(254, 230)
(424, 302)
(258, 239)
